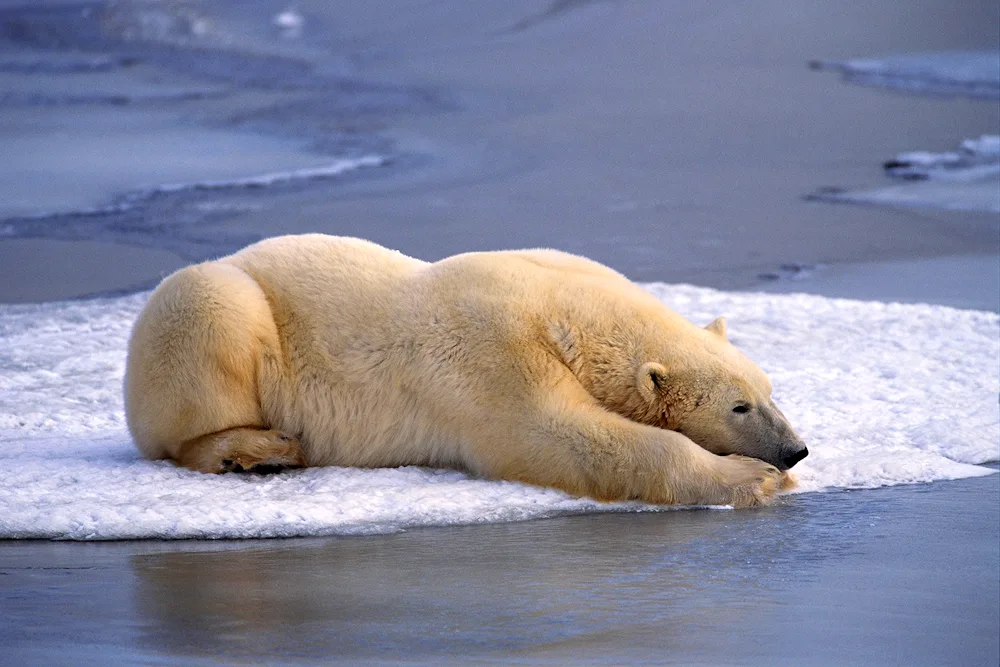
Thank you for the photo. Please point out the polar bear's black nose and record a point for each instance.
(795, 457)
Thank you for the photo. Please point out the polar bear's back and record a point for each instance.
(314, 261)
(314, 276)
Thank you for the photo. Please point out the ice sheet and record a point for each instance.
(966, 179)
(969, 281)
(970, 73)
(882, 393)
(335, 168)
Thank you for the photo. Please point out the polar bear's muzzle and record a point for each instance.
(792, 455)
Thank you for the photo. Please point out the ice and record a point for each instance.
(966, 179)
(335, 168)
(965, 281)
(970, 73)
(976, 159)
(882, 393)
(289, 22)
(988, 144)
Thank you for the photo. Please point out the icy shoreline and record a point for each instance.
(884, 394)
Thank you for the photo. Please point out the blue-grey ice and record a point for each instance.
(969, 73)
(964, 179)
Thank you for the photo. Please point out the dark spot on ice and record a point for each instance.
(906, 171)
(796, 267)
(789, 271)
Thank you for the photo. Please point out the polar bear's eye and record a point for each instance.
(740, 409)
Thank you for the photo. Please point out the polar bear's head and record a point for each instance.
(721, 400)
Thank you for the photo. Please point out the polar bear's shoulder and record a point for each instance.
(523, 272)
(563, 261)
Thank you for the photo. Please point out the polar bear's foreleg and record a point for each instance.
(583, 449)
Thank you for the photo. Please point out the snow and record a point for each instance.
(288, 19)
(883, 394)
(289, 22)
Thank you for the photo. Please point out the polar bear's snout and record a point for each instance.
(792, 455)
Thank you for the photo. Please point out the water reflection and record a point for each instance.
(835, 577)
(650, 582)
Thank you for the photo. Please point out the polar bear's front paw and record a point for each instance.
(750, 482)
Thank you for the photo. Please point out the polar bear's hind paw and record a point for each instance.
(242, 450)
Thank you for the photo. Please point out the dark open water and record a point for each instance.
(902, 576)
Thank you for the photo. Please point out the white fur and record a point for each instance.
(535, 365)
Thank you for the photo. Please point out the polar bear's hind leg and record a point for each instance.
(199, 354)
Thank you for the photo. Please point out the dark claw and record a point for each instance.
(267, 468)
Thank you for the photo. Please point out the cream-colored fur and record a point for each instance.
(533, 365)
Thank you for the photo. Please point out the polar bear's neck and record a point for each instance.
(604, 339)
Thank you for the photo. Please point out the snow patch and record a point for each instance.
(882, 393)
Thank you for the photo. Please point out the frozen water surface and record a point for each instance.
(700, 127)
(119, 151)
(966, 179)
(84, 268)
(971, 73)
(971, 282)
(884, 394)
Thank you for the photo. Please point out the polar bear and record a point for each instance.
(535, 366)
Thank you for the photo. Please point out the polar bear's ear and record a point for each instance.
(651, 380)
(717, 326)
